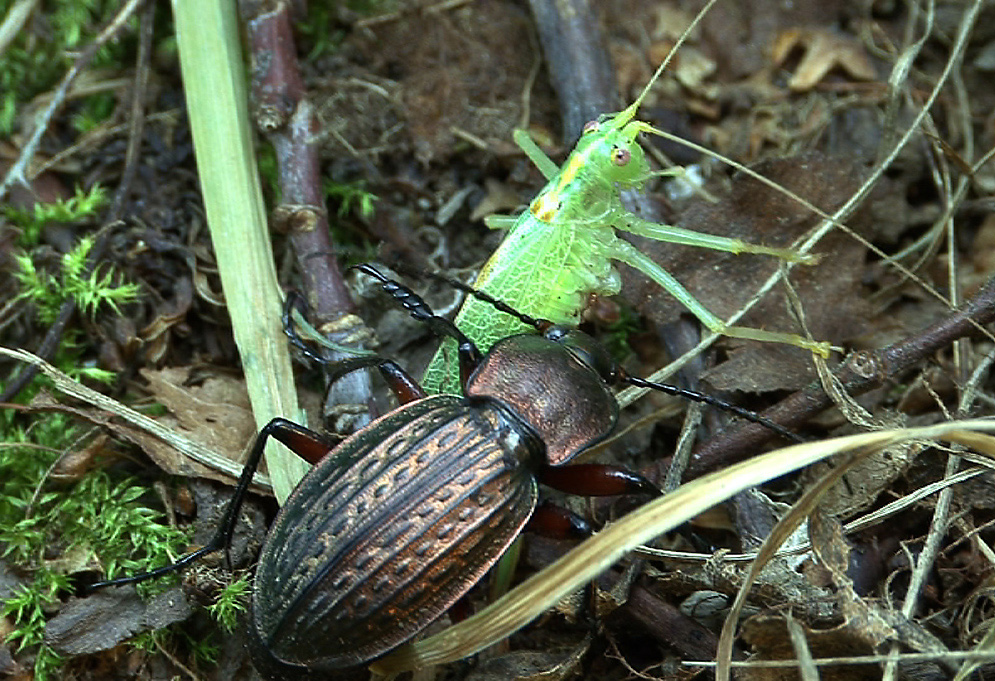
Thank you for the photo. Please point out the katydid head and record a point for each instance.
(608, 145)
(607, 150)
(622, 129)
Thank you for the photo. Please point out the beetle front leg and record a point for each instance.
(401, 383)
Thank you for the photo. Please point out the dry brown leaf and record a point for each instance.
(104, 619)
(164, 455)
(865, 626)
(525, 665)
(452, 70)
(864, 483)
(824, 50)
(498, 199)
(865, 619)
(216, 412)
(981, 256)
(768, 637)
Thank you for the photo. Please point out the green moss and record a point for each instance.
(203, 649)
(323, 33)
(94, 110)
(351, 196)
(616, 339)
(231, 603)
(100, 288)
(98, 519)
(85, 205)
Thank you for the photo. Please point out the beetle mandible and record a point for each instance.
(395, 524)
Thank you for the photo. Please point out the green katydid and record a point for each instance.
(562, 248)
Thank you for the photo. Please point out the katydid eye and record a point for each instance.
(591, 126)
(621, 156)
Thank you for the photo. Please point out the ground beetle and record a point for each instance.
(394, 525)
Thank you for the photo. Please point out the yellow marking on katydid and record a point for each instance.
(544, 208)
(575, 163)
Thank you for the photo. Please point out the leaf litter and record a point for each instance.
(801, 96)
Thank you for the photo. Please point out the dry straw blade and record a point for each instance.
(189, 448)
(540, 592)
(214, 83)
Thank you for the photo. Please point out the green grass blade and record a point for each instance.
(207, 35)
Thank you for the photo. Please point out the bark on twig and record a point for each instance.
(285, 115)
(860, 372)
(578, 61)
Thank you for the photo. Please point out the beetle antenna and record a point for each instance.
(299, 331)
(469, 355)
(498, 304)
(295, 302)
(713, 401)
(414, 304)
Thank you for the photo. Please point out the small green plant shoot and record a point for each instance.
(562, 248)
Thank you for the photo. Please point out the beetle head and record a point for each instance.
(585, 350)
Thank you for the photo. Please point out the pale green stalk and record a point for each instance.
(207, 34)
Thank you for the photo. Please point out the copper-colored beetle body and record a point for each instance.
(403, 518)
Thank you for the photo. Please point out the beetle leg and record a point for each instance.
(556, 522)
(298, 438)
(302, 441)
(595, 480)
(461, 609)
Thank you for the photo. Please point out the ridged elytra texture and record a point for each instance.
(383, 535)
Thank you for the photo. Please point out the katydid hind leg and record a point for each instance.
(631, 256)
